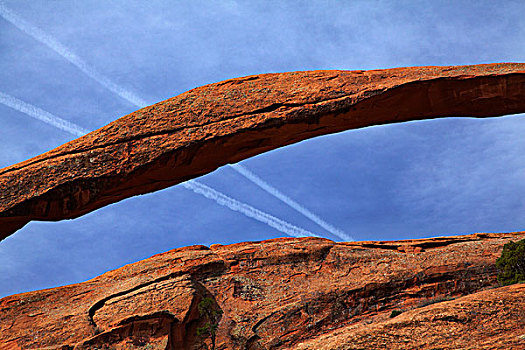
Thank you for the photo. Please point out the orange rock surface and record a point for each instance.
(210, 126)
(308, 293)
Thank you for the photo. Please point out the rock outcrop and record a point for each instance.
(210, 126)
(308, 293)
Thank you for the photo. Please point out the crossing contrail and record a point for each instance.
(63, 51)
(195, 186)
(66, 53)
(290, 202)
(42, 115)
(246, 209)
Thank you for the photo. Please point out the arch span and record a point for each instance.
(194, 133)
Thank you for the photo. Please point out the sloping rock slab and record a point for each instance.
(491, 319)
(207, 127)
(281, 293)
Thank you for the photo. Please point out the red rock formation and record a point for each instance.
(306, 293)
(202, 129)
(491, 319)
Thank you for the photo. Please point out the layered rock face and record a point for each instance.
(308, 293)
(202, 129)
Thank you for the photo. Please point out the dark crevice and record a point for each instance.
(262, 320)
(380, 246)
(275, 106)
(194, 318)
(99, 304)
(126, 330)
(443, 243)
(451, 318)
(435, 243)
(158, 314)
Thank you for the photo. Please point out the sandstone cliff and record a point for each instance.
(306, 293)
(202, 129)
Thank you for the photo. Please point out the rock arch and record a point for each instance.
(213, 125)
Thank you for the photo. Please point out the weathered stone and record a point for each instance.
(308, 293)
(210, 126)
(490, 319)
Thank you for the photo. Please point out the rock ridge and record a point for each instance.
(307, 293)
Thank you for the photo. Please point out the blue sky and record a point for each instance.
(418, 179)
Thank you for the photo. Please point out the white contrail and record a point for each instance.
(195, 186)
(63, 51)
(66, 53)
(42, 115)
(290, 202)
(246, 209)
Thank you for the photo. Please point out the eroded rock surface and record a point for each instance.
(490, 319)
(308, 293)
(210, 126)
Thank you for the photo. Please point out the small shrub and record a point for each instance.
(511, 264)
(395, 313)
(211, 316)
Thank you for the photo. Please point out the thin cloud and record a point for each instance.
(41, 115)
(196, 187)
(246, 209)
(63, 51)
(288, 201)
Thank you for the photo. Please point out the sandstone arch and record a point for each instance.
(207, 127)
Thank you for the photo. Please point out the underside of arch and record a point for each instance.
(198, 131)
